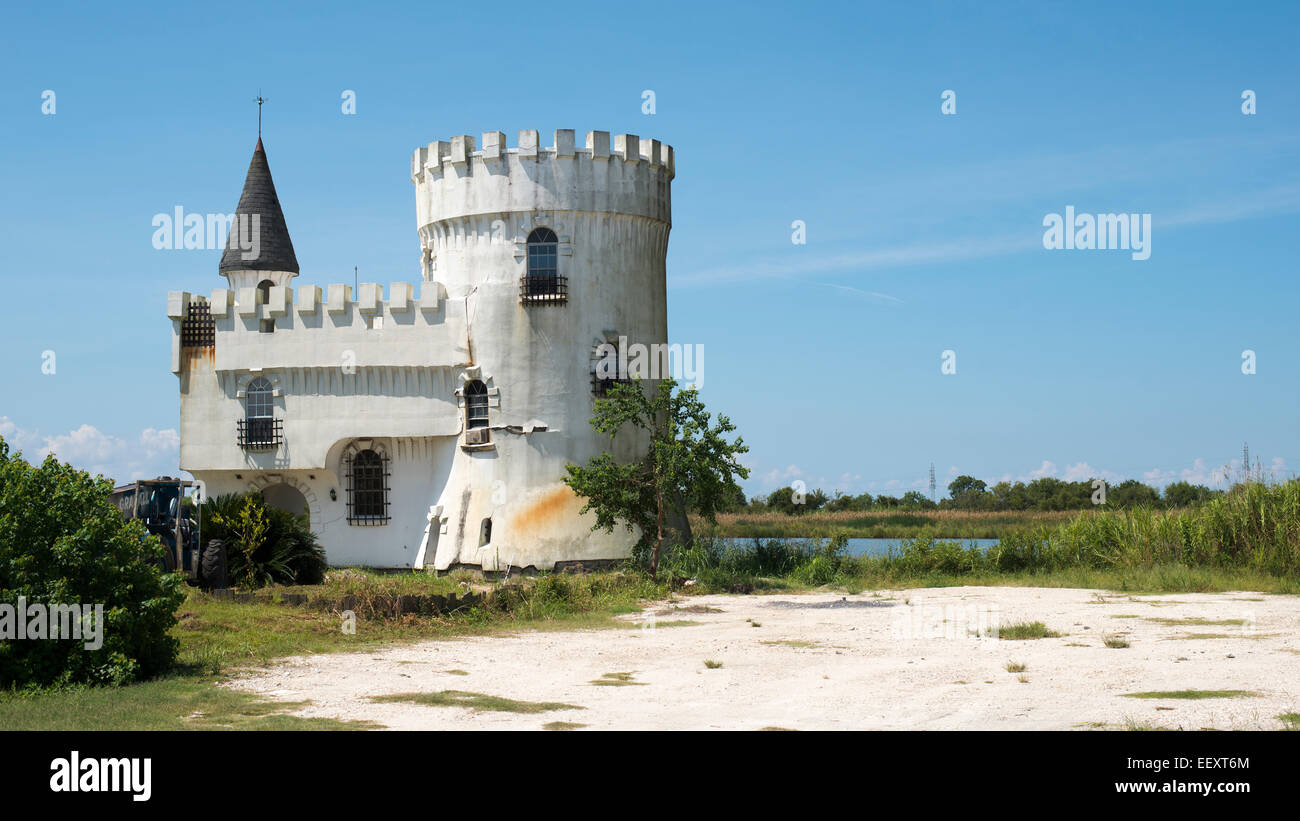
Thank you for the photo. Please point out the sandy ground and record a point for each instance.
(882, 660)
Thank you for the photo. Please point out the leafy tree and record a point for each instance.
(783, 500)
(1132, 493)
(1008, 496)
(63, 542)
(966, 484)
(1186, 494)
(689, 466)
(916, 500)
(733, 500)
(969, 493)
(847, 501)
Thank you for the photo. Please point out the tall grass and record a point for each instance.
(1252, 531)
(882, 524)
(1254, 526)
(717, 564)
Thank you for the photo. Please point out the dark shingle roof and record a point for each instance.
(276, 249)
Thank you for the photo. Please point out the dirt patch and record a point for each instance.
(829, 661)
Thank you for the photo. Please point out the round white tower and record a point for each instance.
(553, 252)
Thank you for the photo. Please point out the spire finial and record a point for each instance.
(259, 99)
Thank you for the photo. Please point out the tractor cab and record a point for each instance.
(159, 504)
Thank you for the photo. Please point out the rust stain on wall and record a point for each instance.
(549, 509)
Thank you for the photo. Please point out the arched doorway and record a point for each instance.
(285, 497)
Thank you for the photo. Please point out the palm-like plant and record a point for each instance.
(270, 546)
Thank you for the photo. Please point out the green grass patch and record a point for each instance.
(1116, 643)
(562, 726)
(1200, 636)
(616, 680)
(1021, 631)
(712, 664)
(797, 643)
(478, 702)
(655, 625)
(1191, 695)
(218, 637)
(1016, 667)
(1142, 727)
(1199, 622)
(168, 703)
(1290, 721)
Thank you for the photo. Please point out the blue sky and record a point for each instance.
(924, 231)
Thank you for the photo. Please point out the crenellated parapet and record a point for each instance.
(323, 327)
(463, 177)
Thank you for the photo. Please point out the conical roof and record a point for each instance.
(275, 248)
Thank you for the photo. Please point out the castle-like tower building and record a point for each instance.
(430, 426)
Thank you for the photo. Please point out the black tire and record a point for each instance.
(213, 566)
(167, 560)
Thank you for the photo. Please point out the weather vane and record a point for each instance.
(259, 99)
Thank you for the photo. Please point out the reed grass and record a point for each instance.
(1247, 538)
(883, 524)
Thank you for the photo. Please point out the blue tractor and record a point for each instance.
(159, 504)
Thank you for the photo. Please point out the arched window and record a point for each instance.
(476, 404)
(259, 428)
(542, 252)
(259, 399)
(367, 474)
(263, 297)
(543, 282)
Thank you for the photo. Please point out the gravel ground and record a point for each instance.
(876, 660)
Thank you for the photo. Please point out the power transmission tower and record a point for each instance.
(932, 482)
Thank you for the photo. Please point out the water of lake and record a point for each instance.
(873, 547)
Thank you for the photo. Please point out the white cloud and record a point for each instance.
(1202, 474)
(153, 453)
(1199, 473)
(1043, 471)
(780, 477)
(1082, 471)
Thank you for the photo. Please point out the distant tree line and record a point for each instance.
(969, 493)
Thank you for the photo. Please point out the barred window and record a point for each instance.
(198, 329)
(609, 369)
(542, 253)
(367, 473)
(476, 405)
(542, 284)
(259, 428)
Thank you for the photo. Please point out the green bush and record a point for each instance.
(62, 541)
(263, 545)
(924, 554)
